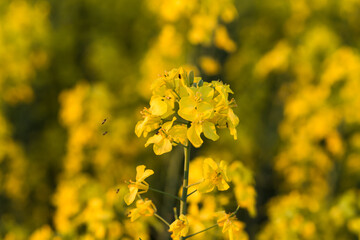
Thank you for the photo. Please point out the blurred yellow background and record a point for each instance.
(67, 65)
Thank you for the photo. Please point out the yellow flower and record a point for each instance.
(198, 108)
(224, 116)
(171, 85)
(167, 136)
(139, 184)
(149, 124)
(229, 223)
(179, 227)
(214, 176)
(197, 104)
(143, 208)
(209, 65)
(223, 41)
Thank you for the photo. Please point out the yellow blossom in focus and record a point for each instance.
(179, 227)
(214, 176)
(167, 136)
(143, 208)
(139, 184)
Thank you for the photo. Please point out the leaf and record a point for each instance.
(191, 77)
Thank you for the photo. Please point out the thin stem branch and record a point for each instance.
(163, 220)
(175, 213)
(192, 192)
(165, 193)
(194, 184)
(234, 213)
(191, 235)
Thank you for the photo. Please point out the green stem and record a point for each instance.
(183, 203)
(234, 213)
(191, 193)
(163, 220)
(165, 193)
(191, 235)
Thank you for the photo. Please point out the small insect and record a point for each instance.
(117, 190)
(104, 121)
(104, 133)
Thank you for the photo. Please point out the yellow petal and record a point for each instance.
(205, 186)
(187, 108)
(211, 163)
(233, 121)
(141, 174)
(166, 126)
(157, 106)
(139, 128)
(193, 134)
(207, 93)
(162, 147)
(140, 171)
(223, 167)
(153, 139)
(223, 186)
(130, 197)
(206, 110)
(210, 130)
(178, 133)
(134, 214)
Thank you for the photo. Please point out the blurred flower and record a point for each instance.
(139, 184)
(143, 208)
(179, 227)
(229, 223)
(223, 41)
(209, 65)
(43, 233)
(214, 176)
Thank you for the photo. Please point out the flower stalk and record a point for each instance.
(204, 230)
(165, 193)
(183, 202)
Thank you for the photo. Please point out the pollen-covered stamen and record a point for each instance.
(164, 133)
(145, 112)
(216, 176)
(198, 97)
(232, 103)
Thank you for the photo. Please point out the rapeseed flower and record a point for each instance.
(167, 136)
(229, 223)
(139, 186)
(179, 227)
(143, 208)
(214, 176)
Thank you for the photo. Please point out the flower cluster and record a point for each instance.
(183, 107)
